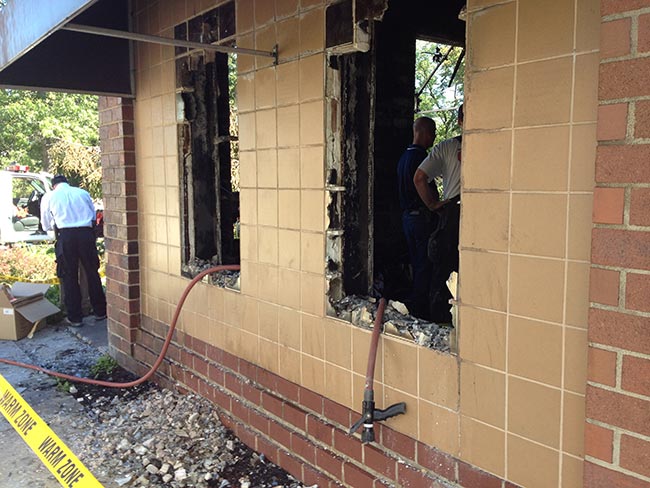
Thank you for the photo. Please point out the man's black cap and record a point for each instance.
(59, 179)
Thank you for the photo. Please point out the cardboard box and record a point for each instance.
(21, 306)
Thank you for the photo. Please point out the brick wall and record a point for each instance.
(300, 430)
(120, 224)
(617, 433)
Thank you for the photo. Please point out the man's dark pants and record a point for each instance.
(73, 247)
(417, 227)
(445, 262)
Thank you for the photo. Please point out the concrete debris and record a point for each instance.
(224, 279)
(140, 450)
(184, 449)
(124, 480)
(390, 328)
(399, 306)
(180, 474)
(361, 311)
(452, 284)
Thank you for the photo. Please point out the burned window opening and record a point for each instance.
(361, 311)
(208, 147)
(370, 94)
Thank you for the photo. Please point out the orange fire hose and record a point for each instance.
(370, 414)
(163, 351)
(374, 343)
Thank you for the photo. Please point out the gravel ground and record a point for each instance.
(158, 437)
(147, 436)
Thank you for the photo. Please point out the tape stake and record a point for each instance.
(54, 454)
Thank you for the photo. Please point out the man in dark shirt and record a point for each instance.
(416, 217)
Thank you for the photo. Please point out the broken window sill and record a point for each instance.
(361, 312)
(222, 279)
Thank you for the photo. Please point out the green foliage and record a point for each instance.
(31, 263)
(37, 263)
(100, 244)
(28, 262)
(21, 188)
(63, 385)
(438, 100)
(80, 164)
(30, 121)
(54, 295)
(234, 124)
(105, 365)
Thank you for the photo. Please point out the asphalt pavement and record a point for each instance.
(56, 346)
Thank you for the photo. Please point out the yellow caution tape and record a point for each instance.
(11, 279)
(51, 281)
(54, 454)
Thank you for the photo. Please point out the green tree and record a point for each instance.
(80, 164)
(438, 99)
(30, 122)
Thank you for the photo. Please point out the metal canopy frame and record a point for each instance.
(134, 36)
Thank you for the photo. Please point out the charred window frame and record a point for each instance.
(350, 107)
(208, 143)
(349, 235)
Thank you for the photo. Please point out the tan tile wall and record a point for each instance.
(528, 178)
(529, 151)
(278, 319)
(157, 166)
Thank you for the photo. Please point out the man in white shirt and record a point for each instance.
(443, 161)
(70, 211)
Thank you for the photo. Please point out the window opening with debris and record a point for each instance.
(206, 85)
(376, 68)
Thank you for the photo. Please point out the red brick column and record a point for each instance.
(120, 225)
(617, 434)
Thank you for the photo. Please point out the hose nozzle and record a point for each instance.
(370, 415)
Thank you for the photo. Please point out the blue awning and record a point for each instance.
(36, 54)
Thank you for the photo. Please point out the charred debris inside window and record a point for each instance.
(370, 90)
(208, 146)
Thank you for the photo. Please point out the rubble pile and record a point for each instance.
(361, 311)
(224, 279)
(164, 438)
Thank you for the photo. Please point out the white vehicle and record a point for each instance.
(20, 195)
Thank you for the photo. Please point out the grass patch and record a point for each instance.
(104, 366)
(63, 385)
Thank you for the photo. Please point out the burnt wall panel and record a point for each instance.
(356, 118)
